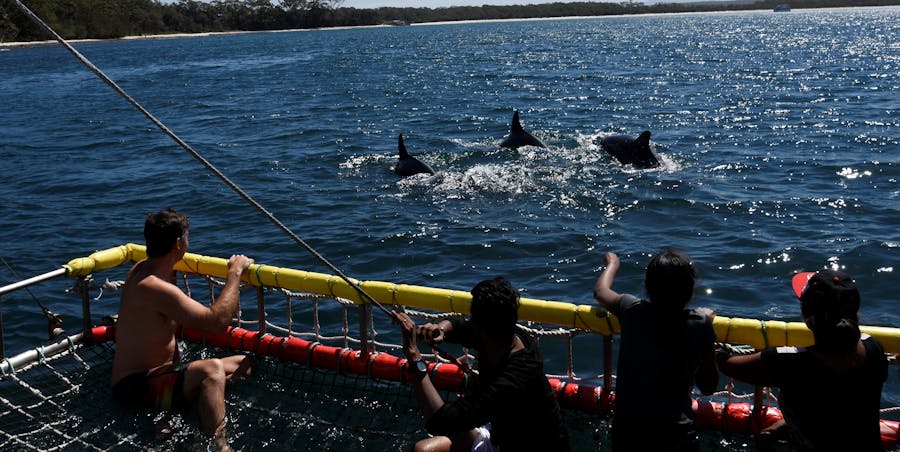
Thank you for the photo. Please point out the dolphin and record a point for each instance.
(518, 136)
(408, 165)
(631, 151)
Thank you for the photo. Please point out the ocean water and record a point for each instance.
(778, 135)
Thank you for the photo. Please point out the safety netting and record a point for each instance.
(64, 402)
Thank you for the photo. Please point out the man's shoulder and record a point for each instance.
(149, 292)
(150, 281)
(698, 318)
(528, 361)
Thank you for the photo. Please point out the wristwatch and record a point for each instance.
(419, 366)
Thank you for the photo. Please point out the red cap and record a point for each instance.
(799, 282)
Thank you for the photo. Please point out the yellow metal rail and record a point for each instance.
(757, 333)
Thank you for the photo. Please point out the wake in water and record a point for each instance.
(559, 171)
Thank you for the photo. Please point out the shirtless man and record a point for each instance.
(146, 369)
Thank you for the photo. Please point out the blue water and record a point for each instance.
(778, 135)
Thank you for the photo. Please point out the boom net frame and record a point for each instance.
(329, 373)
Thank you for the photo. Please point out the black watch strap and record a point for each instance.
(419, 366)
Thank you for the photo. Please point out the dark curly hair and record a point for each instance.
(495, 308)
(670, 278)
(162, 229)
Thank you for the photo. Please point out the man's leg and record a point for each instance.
(433, 444)
(204, 384)
(237, 367)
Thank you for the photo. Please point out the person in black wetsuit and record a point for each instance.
(509, 406)
(830, 392)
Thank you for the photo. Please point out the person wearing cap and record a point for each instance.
(829, 392)
(665, 349)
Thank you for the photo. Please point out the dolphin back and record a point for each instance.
(518, 136)
(408, 165)
(629, 150)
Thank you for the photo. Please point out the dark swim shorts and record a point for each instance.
(162, 389)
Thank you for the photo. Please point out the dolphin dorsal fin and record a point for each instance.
(644, 138)
(402, 147)
(516, 126)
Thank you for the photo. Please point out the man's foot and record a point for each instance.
(162, 425)
(220, 440)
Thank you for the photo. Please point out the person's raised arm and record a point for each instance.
(603, 292)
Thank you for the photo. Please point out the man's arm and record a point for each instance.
(227, 303)
(603, 292)
(747, 368)
(214, 319)
(429, 399)
(434, 333)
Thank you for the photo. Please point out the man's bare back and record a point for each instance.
(145, 337)
(152, 308)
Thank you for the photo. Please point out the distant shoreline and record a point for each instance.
(6, 45)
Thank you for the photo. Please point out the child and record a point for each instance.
(664, 349)
(830, 392)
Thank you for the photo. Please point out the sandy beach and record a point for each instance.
(6, 45)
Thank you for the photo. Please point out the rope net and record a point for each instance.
(312, 387)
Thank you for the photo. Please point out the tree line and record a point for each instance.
(107, 19)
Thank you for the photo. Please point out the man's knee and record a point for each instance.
(213, 367)
(215, 370)
(207, 372)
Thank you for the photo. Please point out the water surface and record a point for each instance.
(778, 135)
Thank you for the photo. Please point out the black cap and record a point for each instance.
(834, 286)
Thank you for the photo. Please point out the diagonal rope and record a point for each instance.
(197, 155)
(216, 171)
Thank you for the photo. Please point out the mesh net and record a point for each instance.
(65, 403)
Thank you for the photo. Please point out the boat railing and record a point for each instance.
(292, 303)
(586, 318)
(542, 318)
